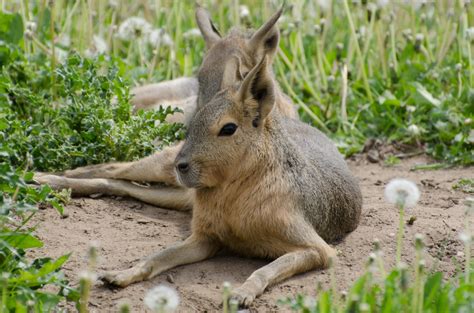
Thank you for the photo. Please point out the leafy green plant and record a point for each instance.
(22, 280)
(53, 116)
(89, 121)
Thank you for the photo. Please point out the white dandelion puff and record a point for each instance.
(98, 46)
(325, 4)
(402, 192)
(372, 7)
(413, 130)
(364, 307)
(154, 37)
(113, 4)
(382, 3)
(162, 299)
(158, 37)
(61, 55)
(244, 11)
(31, 26)
(166, 40)
(88, 276)
(470, 33)
(134, 28)
(416, 4)
(192, 33)
(465, 238)
(64, 40)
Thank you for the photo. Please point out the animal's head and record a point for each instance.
(227, 136)
(229, 59)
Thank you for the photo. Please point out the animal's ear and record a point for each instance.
(258, 92)
(232, 72)
(266, 39)
(208, 30)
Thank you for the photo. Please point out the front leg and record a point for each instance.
(194, 249)
(287, 265)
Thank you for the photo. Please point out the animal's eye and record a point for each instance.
(228, 129)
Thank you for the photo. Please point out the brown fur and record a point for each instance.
(275, 188)
(226, 61)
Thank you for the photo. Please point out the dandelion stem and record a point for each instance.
(358, 51)
(400, 233)
(53, 52)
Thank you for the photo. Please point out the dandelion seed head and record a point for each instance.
(167, 41)
(61, 54)
(416, 4)
(154, 38)
(192, 33)
(88, 276)
(158, 37)
(30, 25)
(134, 28)
(244, 12)
(364, 307)
(325, 4)
(64, 40)
(372, 7)
(162, 299)
(470, 33)
(465, 238)
(382, 3)
(98, 46)
(113, 4)
(413, 130)
(402, 192)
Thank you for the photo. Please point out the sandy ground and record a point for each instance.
(127, 230)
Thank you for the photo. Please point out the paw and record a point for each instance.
(243, 297)
(120, 278)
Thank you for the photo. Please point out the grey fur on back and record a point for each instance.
(328, 193)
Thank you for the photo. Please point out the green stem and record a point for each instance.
(400, 234)
(53, 53)
(358, 51)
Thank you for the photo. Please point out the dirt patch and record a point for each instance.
(127, 230)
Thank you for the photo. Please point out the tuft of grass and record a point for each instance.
(465, 185)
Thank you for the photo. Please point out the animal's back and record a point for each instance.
(327, 192)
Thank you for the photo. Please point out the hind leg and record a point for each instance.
(158, 167)
(176, 198)
(302, 254)
(163, 93)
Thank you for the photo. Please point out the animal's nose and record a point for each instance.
(183, 167)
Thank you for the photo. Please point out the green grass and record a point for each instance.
(397, 73)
